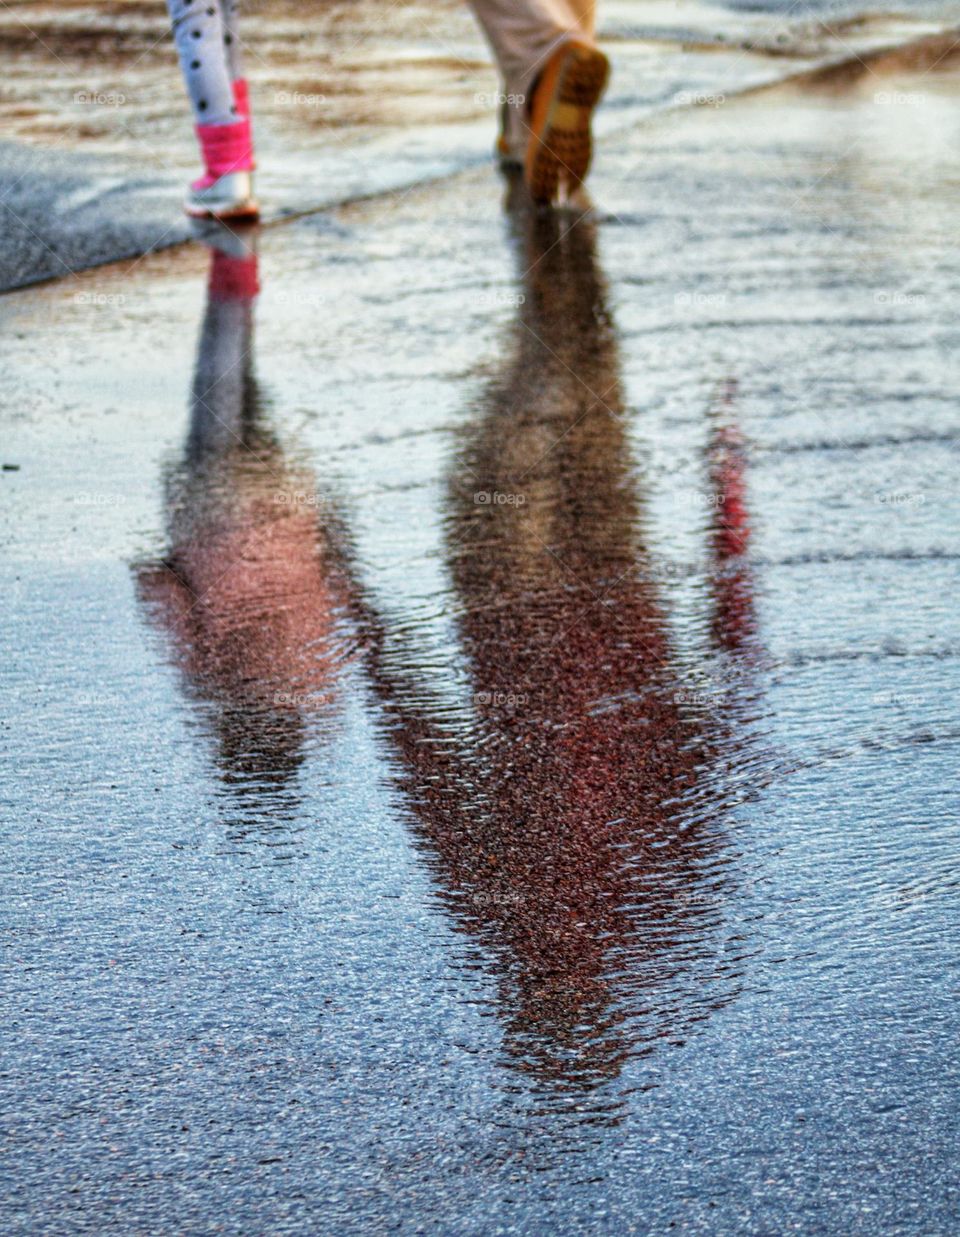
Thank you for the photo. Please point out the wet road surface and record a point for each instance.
(483, 730)
(360, 99)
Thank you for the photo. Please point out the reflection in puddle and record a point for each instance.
(251, 592)
(733, 623)
(557, 809)
(571, 806)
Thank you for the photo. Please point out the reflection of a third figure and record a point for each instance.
(556, 819)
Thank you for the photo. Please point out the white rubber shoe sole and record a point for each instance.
(230, 197)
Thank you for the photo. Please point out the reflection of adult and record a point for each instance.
(558, 820)
(553, 76)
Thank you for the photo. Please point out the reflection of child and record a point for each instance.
(251, 590)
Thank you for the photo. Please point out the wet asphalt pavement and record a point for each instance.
(480, 701)
(362, 99)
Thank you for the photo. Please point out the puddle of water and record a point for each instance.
(521, 657)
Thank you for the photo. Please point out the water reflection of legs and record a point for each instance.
(252, 590)
(557, 819)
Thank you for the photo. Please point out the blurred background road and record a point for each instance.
(350, 99)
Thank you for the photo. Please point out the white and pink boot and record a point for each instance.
(226, 190)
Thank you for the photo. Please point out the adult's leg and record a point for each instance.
(553, 77)
(585, 12)
(523, 36)
(523, 33)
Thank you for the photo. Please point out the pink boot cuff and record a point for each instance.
(226, 148)
(241, 97)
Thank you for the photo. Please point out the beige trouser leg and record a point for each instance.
(585, 12)
(522, 34)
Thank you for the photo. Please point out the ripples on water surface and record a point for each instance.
(524, 787)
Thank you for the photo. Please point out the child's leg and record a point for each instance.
(231, 42)
(198, 31)
(231, 37)
(208, 47)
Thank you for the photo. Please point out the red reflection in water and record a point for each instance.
(558, 821)
(252, 590)
(571, 805)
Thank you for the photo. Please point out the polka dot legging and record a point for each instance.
(205, 32)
